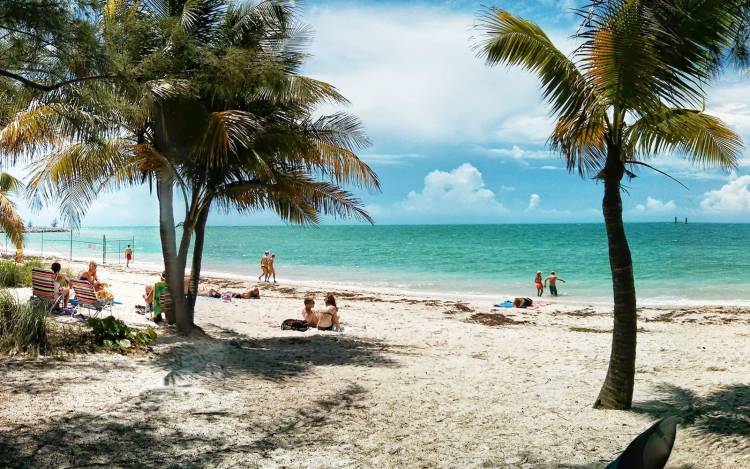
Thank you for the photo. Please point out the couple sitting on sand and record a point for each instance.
(326, 319)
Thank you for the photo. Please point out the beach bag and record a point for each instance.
(294, 325)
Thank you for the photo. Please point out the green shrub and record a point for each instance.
(114, 333)
(23, 325)
(18, 275)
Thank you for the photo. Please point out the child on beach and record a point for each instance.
(328, 318)
(308, 315)
(60, 280)
(538, 283)
(552, 279)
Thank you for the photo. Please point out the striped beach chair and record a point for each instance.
(86, 297)
(43, 287)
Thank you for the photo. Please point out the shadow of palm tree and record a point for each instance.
(230, 354)
(720, 417)
(139, 432)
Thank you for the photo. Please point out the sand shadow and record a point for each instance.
(29, 376)
(719, 417)
(139, 432)
(227, 354)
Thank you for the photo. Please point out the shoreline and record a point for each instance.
(150, 268)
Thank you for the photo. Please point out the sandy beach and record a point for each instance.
(410, 382)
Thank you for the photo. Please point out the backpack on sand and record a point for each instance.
(294, 325)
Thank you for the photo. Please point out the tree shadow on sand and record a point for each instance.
(139, 432)
(720, 418)
(229, 354)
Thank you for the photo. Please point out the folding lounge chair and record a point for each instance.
(43, 287)
(86, 298)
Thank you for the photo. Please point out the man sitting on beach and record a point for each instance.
(308, 315)
(552, 279)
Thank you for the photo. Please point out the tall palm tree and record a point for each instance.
(10, 222)
(632, 90)
(210, 105)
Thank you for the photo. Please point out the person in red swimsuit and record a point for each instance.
(539, 284)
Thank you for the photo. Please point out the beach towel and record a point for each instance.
(294, 325)
(505, 304)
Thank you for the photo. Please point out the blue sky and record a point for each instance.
(457, 142)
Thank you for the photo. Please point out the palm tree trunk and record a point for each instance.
(200, 232)
(617, 391)
(175, 275)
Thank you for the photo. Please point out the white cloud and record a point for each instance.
(457, 193)
(549, 168)
(390, 159)
(734, 196)
(507, 189)
(518, 153)
(410, 71)
(656, 206)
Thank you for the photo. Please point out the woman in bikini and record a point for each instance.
(538, 283)
(328, 317)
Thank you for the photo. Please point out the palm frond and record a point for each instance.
(514, 41)
(699, 137)
(10, 221)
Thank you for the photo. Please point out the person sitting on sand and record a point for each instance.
(90, 276)
(538, 283)
(552, 279)
(328, 318)
(308, 314)
(60, 280)
(153, 297)
(264, 267)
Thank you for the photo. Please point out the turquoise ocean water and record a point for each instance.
(684, 263)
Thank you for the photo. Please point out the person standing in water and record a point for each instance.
(264, 267)
(538, 283)
(128, 256)
(552, 279)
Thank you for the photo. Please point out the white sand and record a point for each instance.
(409, 383)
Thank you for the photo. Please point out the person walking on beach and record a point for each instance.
(271, 268)
(264, 267)
(552, 279)
(128, 256)
(538, 283)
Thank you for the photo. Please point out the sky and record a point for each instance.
(454, 141)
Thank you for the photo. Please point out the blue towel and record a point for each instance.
(505, 304)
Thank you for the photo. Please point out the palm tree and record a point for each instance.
(632, 90)
(211, 106)
(10, 222)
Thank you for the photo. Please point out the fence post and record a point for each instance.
(104, 249)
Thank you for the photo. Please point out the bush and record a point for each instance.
(17, 275)
(114, 333)
(23, 325)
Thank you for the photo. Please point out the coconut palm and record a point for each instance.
(632, 90)
(10, 222)
(211, 106)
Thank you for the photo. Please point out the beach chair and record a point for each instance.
(86, 298)
(43, 287)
